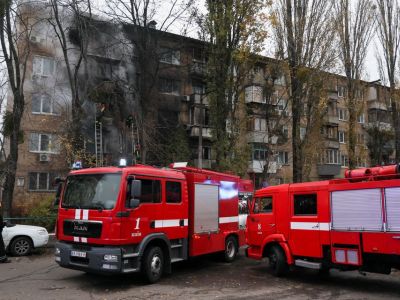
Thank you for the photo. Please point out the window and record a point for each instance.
(302, 133)
(342, 114)
(198, 88)
(173, 192)
(305, 205)
(169, 86)
(282, 106)
(41, 181)
(263, 205)
(170, 56)
(280, 80)
(40, 142)
(342, 137)
(151, 191)
(206, 153)
(283, 157)
(285, 131)
(341, 91)
(198, 54)
(260, 124)
(44, 104)
(361, 118)
(260, 151)
(331, 157)
(254, 94)
(344, 160)
(43, 66)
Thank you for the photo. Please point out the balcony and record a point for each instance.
(328, 169)
(257, 166)
(378, 105)
(261, 137)
(380, 125)
(198, 69)
(332, 119)
(195, 132)
(198, 99)
(332, 144)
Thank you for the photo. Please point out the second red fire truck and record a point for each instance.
(349, 224)
(141, 218)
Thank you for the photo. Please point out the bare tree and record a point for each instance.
(303, 32)
(15, 27)
(388, 29)
(355, 30)
(66, 16)
(140, 18)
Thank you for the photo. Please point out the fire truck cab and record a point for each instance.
(349, 224)
(140, 218)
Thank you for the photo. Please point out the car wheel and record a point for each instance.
(153, 264)
(231, 249)
(277, 261)
(21, 246)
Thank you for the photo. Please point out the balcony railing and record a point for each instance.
(257, 166)
(195, 131)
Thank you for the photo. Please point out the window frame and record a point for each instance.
(180, 191)
(52, 144)
(256, 201)
(42, 59)
(312, 214)
(52, 105)
(48, 182)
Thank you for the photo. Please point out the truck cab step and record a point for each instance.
(307, 264)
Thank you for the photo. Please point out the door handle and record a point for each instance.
(396, 237)
(272, 225)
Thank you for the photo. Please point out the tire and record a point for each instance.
(277, 261)
(231, 249)
(21, 246)
(153, 264)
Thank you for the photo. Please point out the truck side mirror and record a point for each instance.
(136, 189)
(133, 203)
(58, 193)
(135, 193)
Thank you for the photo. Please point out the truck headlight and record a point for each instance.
(57, 251)
(110, 258)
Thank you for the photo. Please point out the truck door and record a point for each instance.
(148, 216)
(175, 209)
(304, 237)
(261, 222)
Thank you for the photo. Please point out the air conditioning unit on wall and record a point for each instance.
(44, 157)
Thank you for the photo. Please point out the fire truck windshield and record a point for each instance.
(92, 191)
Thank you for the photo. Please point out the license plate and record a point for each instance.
(78, 254)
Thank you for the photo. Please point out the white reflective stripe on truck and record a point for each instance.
(233, 219)
(310, 226)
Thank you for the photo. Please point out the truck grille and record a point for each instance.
(88, 229)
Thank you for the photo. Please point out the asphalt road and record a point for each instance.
(39, 277)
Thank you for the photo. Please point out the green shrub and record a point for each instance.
(43, 214)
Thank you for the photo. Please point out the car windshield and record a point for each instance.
(93, 191)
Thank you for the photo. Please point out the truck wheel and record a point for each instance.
(277, 261)
(21, 246)
(231, 249)
(153, 264)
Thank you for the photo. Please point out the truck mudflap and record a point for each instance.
(92, 259)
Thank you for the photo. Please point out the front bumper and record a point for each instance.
(40, 241)
(94, 261)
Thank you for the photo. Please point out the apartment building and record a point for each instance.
(112, 67)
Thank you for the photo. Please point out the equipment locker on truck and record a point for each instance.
(141, 218)
(349, 224)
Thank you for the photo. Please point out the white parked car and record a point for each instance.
(21, 239)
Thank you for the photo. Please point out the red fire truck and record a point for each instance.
(349, 224)
(141, 218)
